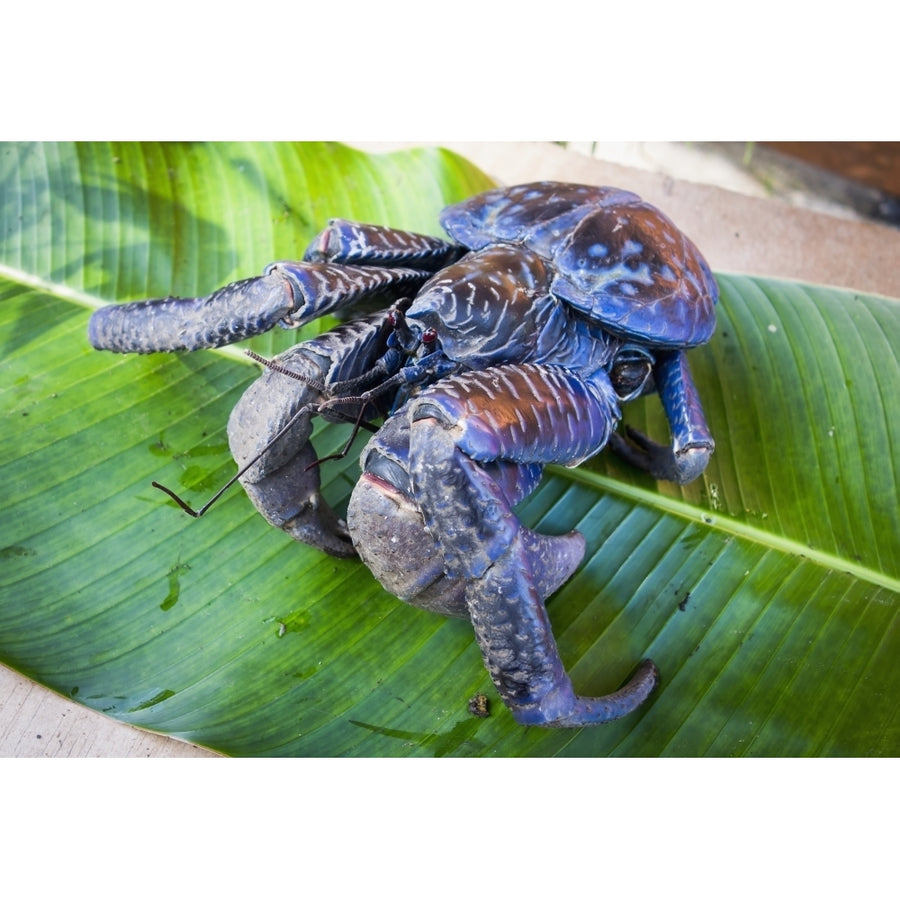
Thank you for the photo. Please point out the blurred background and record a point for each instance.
(855, 180)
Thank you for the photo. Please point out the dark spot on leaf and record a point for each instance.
(439, 744)
(16, 550)
(174, 585)
(156, 698)
(159, 448)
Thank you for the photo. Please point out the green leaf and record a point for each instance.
(767, 592)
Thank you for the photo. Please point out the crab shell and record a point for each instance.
(618, 259)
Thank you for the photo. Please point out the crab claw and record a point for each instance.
(389, 533)
(289, 499)
(391, 538)
(284, 483)
(269, 430)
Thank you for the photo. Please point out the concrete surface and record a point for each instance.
(738, 224)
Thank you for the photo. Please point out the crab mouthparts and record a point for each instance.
(411, 338)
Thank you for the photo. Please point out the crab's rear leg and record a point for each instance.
(346, 265)
(526, 414)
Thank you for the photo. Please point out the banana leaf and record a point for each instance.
(767, 591)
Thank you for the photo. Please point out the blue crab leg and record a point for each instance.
(527, 414)
(692, 443)
(287, 294)
(347, 263)
(358, 244)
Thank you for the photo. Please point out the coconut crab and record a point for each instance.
(507, 348)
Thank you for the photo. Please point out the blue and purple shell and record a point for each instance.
(619, 260)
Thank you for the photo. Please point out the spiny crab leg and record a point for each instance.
(287, 294)
(459, 427)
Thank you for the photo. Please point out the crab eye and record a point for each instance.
(631, 372)
(394, 316)
(429, 336)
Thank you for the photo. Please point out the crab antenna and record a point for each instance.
(309, 408)
(196, 513)
(401, 377)
(282, 370)
(359, 423)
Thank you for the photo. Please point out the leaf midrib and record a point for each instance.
(729, 526)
